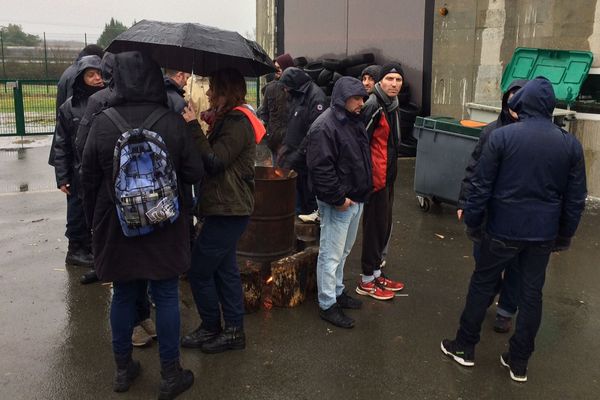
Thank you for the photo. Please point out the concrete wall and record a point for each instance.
(473, 43)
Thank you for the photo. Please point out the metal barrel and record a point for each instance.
(270, 233)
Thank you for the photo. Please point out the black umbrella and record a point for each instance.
(194, 48)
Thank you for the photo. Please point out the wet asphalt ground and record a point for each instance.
(55, 335)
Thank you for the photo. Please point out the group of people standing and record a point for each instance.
(345, 153)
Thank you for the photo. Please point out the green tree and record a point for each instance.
(111, 31)
(13, 35)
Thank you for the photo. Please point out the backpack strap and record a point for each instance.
(153, 118)
(117, 119)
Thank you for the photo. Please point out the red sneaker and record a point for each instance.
(387, 283)
(375, 290)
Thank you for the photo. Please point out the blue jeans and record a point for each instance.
(214, 275)
(123, 315)
(495, 255)
(338, 232)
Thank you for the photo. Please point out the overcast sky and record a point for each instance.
(70, 19)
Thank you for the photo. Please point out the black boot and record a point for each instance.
(197, 338)
(127, 371)
(174, 380)
(232, 338)
(79, 256)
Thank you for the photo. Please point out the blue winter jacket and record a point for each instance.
(531, 174)
(338, 155)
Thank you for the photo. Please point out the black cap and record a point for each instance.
(389, 68)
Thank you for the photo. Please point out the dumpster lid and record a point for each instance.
(565, 69)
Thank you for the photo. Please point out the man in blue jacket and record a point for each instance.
(339, 172)
(530, 183)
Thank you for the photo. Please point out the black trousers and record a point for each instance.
(376, 229)
(495, 255)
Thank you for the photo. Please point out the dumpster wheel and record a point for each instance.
(424, 203)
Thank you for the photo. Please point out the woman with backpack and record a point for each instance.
(226, 202)
(132, 247)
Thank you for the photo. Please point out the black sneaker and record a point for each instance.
(336, 316)
(502, 324)
(348, 302)
(462, 355)
(80, 258)
(518, 373)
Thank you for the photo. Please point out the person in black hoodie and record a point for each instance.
(306, 101)
(528, 194)
(87, 81)
(507, 285)
(339, 171)
(159, 257)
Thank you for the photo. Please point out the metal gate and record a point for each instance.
(27, 107)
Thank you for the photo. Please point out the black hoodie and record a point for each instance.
(164, 253)
(306, 101)
(338, 155)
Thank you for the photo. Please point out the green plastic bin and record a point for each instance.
(443, 152)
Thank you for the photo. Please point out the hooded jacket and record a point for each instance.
(164, 253)
(97, 102)
(530, 180)
(306, 101)
(175, 99)
(63, 152)
(338, 157)
(503, 119)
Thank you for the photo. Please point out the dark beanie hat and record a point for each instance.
(390, 68)
(371, 70)
(285, 61)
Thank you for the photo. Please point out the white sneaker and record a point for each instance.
(312, 217)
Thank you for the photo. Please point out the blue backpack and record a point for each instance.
(145, 182)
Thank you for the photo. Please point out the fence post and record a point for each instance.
(19, 109)
(46, 55)
(85, 38)
(3, 63)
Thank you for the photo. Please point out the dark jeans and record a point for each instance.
(77, 229)
(142, 303)
(507, 286)
(214, 275)
(377, 228)
(123, 314)
(306, 202)
(495, 256)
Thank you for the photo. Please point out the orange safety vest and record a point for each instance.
(259, 128)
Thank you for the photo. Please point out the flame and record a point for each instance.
(269, 280)
(279, 173)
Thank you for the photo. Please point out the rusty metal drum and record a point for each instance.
(270, 233)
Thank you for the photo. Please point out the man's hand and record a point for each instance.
(561, 243)
(65, 188)
(344, 207)
(189, 113)
(459, 213)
